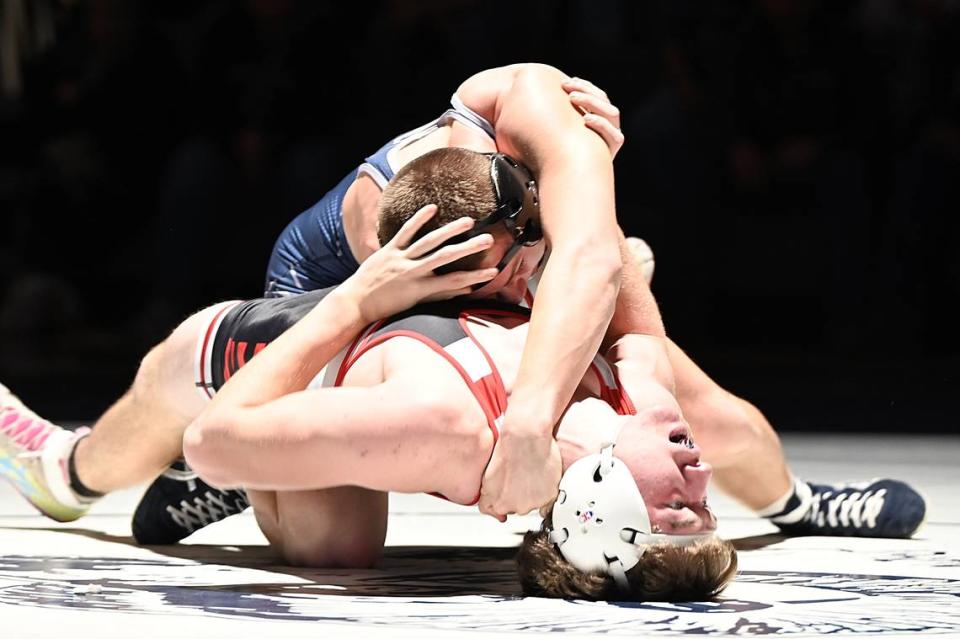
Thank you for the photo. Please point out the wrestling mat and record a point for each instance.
(448, 571)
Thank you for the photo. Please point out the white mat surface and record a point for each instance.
(448, 571)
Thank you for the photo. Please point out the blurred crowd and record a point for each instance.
(793, 163)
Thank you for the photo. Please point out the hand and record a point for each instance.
(523, 474)
(400, 274)
(599, 114)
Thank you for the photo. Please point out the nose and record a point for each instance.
(697, 478)
(685, 456)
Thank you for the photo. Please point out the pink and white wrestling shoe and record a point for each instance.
(33, 458)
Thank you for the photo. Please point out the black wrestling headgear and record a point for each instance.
(518, 207)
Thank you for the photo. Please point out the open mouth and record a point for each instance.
(681, 435)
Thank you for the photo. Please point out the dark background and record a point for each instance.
(793, 163)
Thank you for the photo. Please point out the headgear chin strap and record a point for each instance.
(600, 522)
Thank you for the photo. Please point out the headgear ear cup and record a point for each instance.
(601, 524)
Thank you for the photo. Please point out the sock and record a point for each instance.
(792, 506)
(83, 493)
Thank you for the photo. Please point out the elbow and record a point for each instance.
(595, 260)
(194, 441)
(463, 435)
(536, 73)
(205, 453)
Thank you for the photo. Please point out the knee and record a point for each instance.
(165, 374)
(147, 379)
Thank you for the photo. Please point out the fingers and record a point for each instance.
(458, 283)
(437, 237)
(593, 104)
(409, 229)
(599, 114)
(612, 135)
(454, 252)
(585, 86)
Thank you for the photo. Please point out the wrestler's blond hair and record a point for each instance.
(456, 180)
(665, 573)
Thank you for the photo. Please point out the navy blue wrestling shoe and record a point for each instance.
(876, 508)
(178, 503)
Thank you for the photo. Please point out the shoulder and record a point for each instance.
(483, 91)
(443, 413)
(418, 366)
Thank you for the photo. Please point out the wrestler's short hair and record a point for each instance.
(666, 572)
(456, 180)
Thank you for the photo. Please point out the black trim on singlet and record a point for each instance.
(249, 326)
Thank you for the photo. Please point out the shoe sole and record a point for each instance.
(17, 486)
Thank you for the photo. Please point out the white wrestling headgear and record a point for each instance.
(600, 521)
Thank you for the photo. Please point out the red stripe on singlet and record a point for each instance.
(205, 384)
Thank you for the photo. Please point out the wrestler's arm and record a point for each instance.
(535, 122)
(250, 409)
(384, 437)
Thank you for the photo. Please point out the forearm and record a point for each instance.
(231, 441)
(578, 289)
(293, 359)
(574, 303)
(318, 439)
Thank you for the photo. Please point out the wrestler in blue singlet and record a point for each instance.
(312, 252)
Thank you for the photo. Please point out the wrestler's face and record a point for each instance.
(657, 446)
(510, 284)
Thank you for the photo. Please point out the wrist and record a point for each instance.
(343, 304)
(527, 422)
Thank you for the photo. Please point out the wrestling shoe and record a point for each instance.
(876, 508)
(33, 458)
(178, 503)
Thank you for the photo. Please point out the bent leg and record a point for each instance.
(142, 433)
(734, 435)
(341, 527)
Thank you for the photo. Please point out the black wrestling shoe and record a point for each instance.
(178, 503)
(878, 508)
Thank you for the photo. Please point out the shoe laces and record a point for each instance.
(211, 507)
(846, 508)
(24, 427)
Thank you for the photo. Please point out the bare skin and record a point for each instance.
(734, 434)
(370, 443)
(142, 433)
(406, 422)
(439, 442)
(154, 395)
(703, 401)
(490, 93)
(566, 131)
